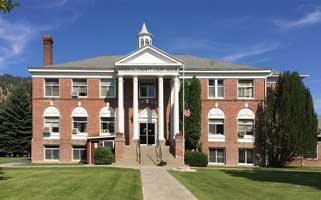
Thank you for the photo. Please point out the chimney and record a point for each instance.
(47, 49)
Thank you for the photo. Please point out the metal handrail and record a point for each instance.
(138, 152)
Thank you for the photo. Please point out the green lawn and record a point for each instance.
(253, 183)
(69, 183)
(10, 159)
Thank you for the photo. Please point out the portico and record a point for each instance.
(148, 67)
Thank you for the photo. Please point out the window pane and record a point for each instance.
(220, 92)
(47, 154)
(220, 156)
(246, 83)
(220, 83)
(241, 156)
(111, 92)
(103, 91)
(220, 129)
(212, 155)
(211, 129)
(83, 154)
(55, 154)
(75, 154)
(250, 156)
(211, 82)
(55, 91)
(211, 92)
(48, 91)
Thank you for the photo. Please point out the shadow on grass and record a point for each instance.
(3, 178)
(311, 179)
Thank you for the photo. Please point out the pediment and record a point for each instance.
(149, 56)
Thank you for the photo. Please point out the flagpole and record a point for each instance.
(183, 113)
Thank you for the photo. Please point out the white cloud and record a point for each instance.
(255, 50)
(14, 37)
(49, 4)
(311, 18)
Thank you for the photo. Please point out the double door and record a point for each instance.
(147, 133)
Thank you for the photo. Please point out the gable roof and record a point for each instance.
(192, 63)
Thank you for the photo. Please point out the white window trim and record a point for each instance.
(72, 87)
(82, 135)
(246, 138)
(72, 152)
(151, 97)
(44, 88)
(104, 133)
(216, 163)
(44, 153)
(109, 97)
(215, 137)
(53, 135)
(109, 141)
(216, 89)
(246, 164)
(246, 98)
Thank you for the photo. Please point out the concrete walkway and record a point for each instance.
(159, 184)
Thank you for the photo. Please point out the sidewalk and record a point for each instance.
(159, 184)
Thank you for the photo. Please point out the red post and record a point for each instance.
(119, 146)
(89, 152)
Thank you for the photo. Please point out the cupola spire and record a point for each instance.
(144, 37)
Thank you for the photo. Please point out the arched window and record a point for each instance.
(216, 119)
(107, 121)
(141, 42)
(51, 120)
(79, 120)
(146, 42)
(245, 123)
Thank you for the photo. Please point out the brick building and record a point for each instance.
(123, 100)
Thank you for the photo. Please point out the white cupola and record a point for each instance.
(144, 37)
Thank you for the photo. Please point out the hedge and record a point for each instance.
(196, 159)
(103, 156)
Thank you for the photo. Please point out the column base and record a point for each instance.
(119, 146)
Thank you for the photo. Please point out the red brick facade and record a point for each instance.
(231, 105)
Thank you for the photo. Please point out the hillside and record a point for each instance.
(8, 83)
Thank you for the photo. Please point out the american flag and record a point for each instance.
(187, 112)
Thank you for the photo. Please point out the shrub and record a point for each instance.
(103, 156)
(196, 159)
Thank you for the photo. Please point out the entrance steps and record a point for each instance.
(148, 156)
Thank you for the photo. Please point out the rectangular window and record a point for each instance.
(215, 88)
(107, 88)
(246, 89)
(51, 153)
(246, 127)
(52, 87)
(107, 125)
(80, 124)
(79, 153)
(52, 123)
(147, 90)
(216, 126)
(216, 155)
(108, 143)
(246, 156)
(79, 87)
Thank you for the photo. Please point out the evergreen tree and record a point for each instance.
(290, 120)
(15, 117)
(260, 136)
(193, 123)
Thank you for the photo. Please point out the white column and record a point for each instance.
(176, 106)
(172, 109)
(160, 109)
(121, 104)
(135, 108)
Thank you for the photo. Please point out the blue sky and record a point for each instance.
(283, 35)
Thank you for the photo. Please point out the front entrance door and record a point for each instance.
(147, 133)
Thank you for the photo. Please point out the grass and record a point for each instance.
(253, 183)
(69, 183)
(11, 159)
